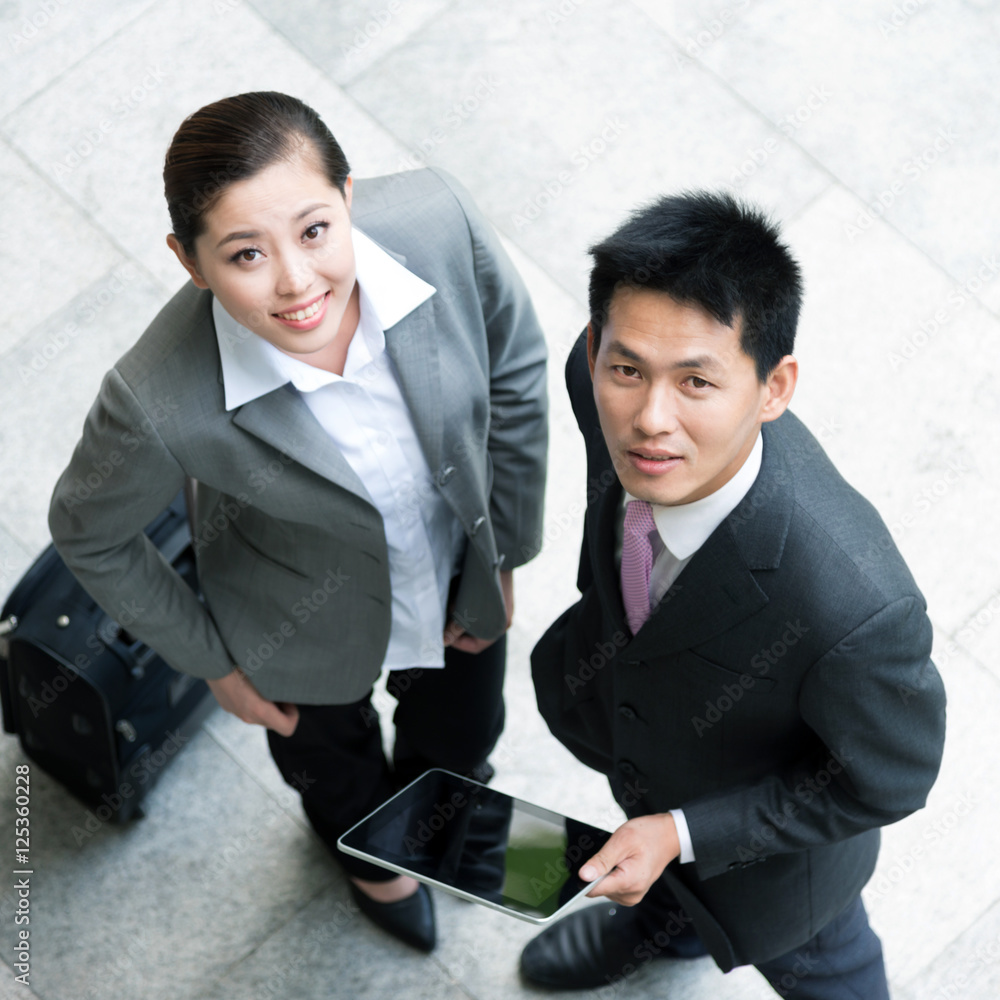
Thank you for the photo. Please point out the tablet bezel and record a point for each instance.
(541, 812)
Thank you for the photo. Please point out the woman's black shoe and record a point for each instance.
(411, 919)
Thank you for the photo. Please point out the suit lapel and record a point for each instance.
(282, 420)
(414, 351)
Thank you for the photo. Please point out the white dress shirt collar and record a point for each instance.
(686, 527)
(252, 367)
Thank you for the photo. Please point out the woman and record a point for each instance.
(363, 411)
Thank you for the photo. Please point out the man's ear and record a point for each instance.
(591, 355)
(189, 263)
(780, 386)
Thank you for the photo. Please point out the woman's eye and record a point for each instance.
(314, 231)
(246, 256)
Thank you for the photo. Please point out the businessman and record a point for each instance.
(749, 660)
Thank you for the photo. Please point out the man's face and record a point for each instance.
(680, 404)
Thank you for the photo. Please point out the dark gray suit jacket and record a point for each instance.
(292, 556)
(782, 693)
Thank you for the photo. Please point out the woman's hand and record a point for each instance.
(237, 695)
(455, 634)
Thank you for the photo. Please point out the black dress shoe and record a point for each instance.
(600, 946)
(411, 919)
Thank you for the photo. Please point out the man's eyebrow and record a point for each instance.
(703, 361)
(253, 235)
(617, 347)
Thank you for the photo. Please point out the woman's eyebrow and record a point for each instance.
(253, 235)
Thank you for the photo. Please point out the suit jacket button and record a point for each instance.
(627, 712)
(477, 524)
(445, 474)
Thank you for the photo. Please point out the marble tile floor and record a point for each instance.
(869, 130)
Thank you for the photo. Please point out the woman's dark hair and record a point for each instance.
(706, 249)
(233, 139)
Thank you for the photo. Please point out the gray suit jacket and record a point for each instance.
(782, 693)
(292, 556)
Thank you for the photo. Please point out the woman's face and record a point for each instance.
(277, 254)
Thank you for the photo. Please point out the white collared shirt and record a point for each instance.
(680, 531)
(366, 417)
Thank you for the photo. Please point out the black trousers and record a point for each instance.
(450, 718)
(842, 962)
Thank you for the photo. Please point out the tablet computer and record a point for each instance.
(480, 844)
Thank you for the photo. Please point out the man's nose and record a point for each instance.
(658, 412)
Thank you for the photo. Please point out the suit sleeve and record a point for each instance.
(518, 436)
(120, 477)
(876, 702)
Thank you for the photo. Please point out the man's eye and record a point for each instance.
(627, 370)
(698, 383)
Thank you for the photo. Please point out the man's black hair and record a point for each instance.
(707, 249)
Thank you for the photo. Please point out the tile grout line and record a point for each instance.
(817, 164)
(68, 69)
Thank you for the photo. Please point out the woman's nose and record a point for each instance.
(295, 277)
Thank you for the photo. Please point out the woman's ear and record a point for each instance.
(189, 263)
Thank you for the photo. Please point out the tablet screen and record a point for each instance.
(481, 843)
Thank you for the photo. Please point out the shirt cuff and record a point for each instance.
(683, 835)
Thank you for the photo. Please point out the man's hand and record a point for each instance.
(237, 695)
(455, 635)
(638, 851)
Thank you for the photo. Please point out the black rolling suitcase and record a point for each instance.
(93, 706)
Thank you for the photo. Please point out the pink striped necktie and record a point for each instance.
(637, 562)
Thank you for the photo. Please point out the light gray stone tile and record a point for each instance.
(912, 897)
(331, 949)
(136, 90)
(905, 421)
(561, 126)
(167, 903)
(909, 101)
(43, 37)
(52, 379)
(345, 39)
(968, 970)
(979, 634)
(14, 561)
(481, 948)
(49, 250)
